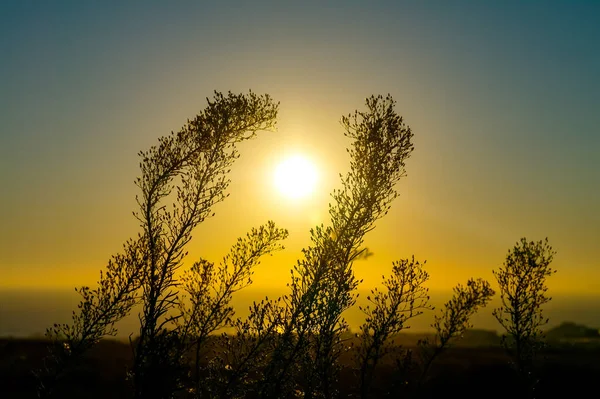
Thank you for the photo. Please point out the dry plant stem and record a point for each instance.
(200, 155)
(522, 281)
(251, 345)
(323, 282)
(403, 297)
(211, 293)
(99, 310)
(454, 319)
(192, 164)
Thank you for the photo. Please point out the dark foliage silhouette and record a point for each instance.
(402, 298)
(522, 281)
(292, 346)
(454, 318)
(200, 156)
(452, 321)
(211, 290)
(192, 164)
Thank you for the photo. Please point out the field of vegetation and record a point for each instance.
(471, 369)
(297, 345)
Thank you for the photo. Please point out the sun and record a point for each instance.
(296, 177)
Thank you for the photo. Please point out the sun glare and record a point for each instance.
(296, 177)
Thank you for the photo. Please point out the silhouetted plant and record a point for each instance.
(98, 311)
(323, 282)
(199, 156)
(193, 163)
(287, 347)
(239, 366)
(403, 297)
(454, 319)
(522, 281)
(210, 291)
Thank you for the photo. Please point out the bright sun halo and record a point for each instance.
(296, 177)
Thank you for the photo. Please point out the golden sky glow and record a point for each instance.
(505, 123)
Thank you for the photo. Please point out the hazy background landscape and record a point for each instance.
(28, 313)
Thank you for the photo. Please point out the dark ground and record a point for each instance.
(464, 372)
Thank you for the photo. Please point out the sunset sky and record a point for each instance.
(503, 98)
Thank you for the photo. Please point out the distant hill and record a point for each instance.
(471, 338)
(477, 337)
(565, 333)
(569, 331)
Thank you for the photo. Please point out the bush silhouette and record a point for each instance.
(522, 281)
(197, 158)
(289, 346)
